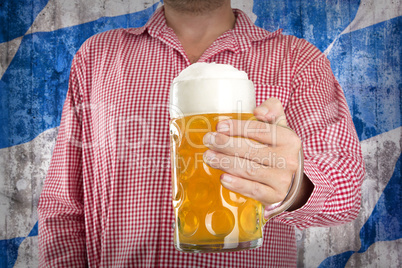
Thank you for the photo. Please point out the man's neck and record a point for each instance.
(197, 31)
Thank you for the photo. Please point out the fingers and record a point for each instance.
(263, 183)
(252, 189)
(258, 157)
(248, 149)
(264, 133)
(271, 111)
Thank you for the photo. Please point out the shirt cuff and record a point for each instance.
(308, 215)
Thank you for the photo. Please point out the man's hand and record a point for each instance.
(259, 158)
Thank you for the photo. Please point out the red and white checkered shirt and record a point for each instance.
(107, 197)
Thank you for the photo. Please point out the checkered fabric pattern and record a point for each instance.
(106, 201)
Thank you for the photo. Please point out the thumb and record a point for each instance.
(271, 111)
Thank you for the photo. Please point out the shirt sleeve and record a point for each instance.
(61, 204)
(333, 159)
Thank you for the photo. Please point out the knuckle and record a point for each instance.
(253, 151)
(251, 169)
(220, 140)
(292, 163)
(262, 128)
(274, 100)
(256, 190)
(280, 195)
(257, 130)
(295, 140)
(261, 135)
(276, 104)
(282, 191)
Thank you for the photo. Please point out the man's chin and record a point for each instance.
(194, 6)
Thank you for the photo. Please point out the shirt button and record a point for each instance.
(289, 218)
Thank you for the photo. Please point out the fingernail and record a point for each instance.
(264, 111)
(207, 140)
(226, 178)
(211, 159)
(223, 126)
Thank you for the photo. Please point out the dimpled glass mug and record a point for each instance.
(209, 217)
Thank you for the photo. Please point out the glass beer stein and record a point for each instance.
(209, 217)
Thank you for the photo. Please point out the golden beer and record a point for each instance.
(209, 216)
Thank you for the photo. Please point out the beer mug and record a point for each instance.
(209, 217)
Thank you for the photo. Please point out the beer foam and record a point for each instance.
(203, 70)
(204, 88)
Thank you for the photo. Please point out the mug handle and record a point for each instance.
(293, 191)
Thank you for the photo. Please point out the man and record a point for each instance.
(107, 197)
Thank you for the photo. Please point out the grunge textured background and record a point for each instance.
(38, 39)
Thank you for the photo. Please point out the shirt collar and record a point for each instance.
(242, 35)
(245, 31)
